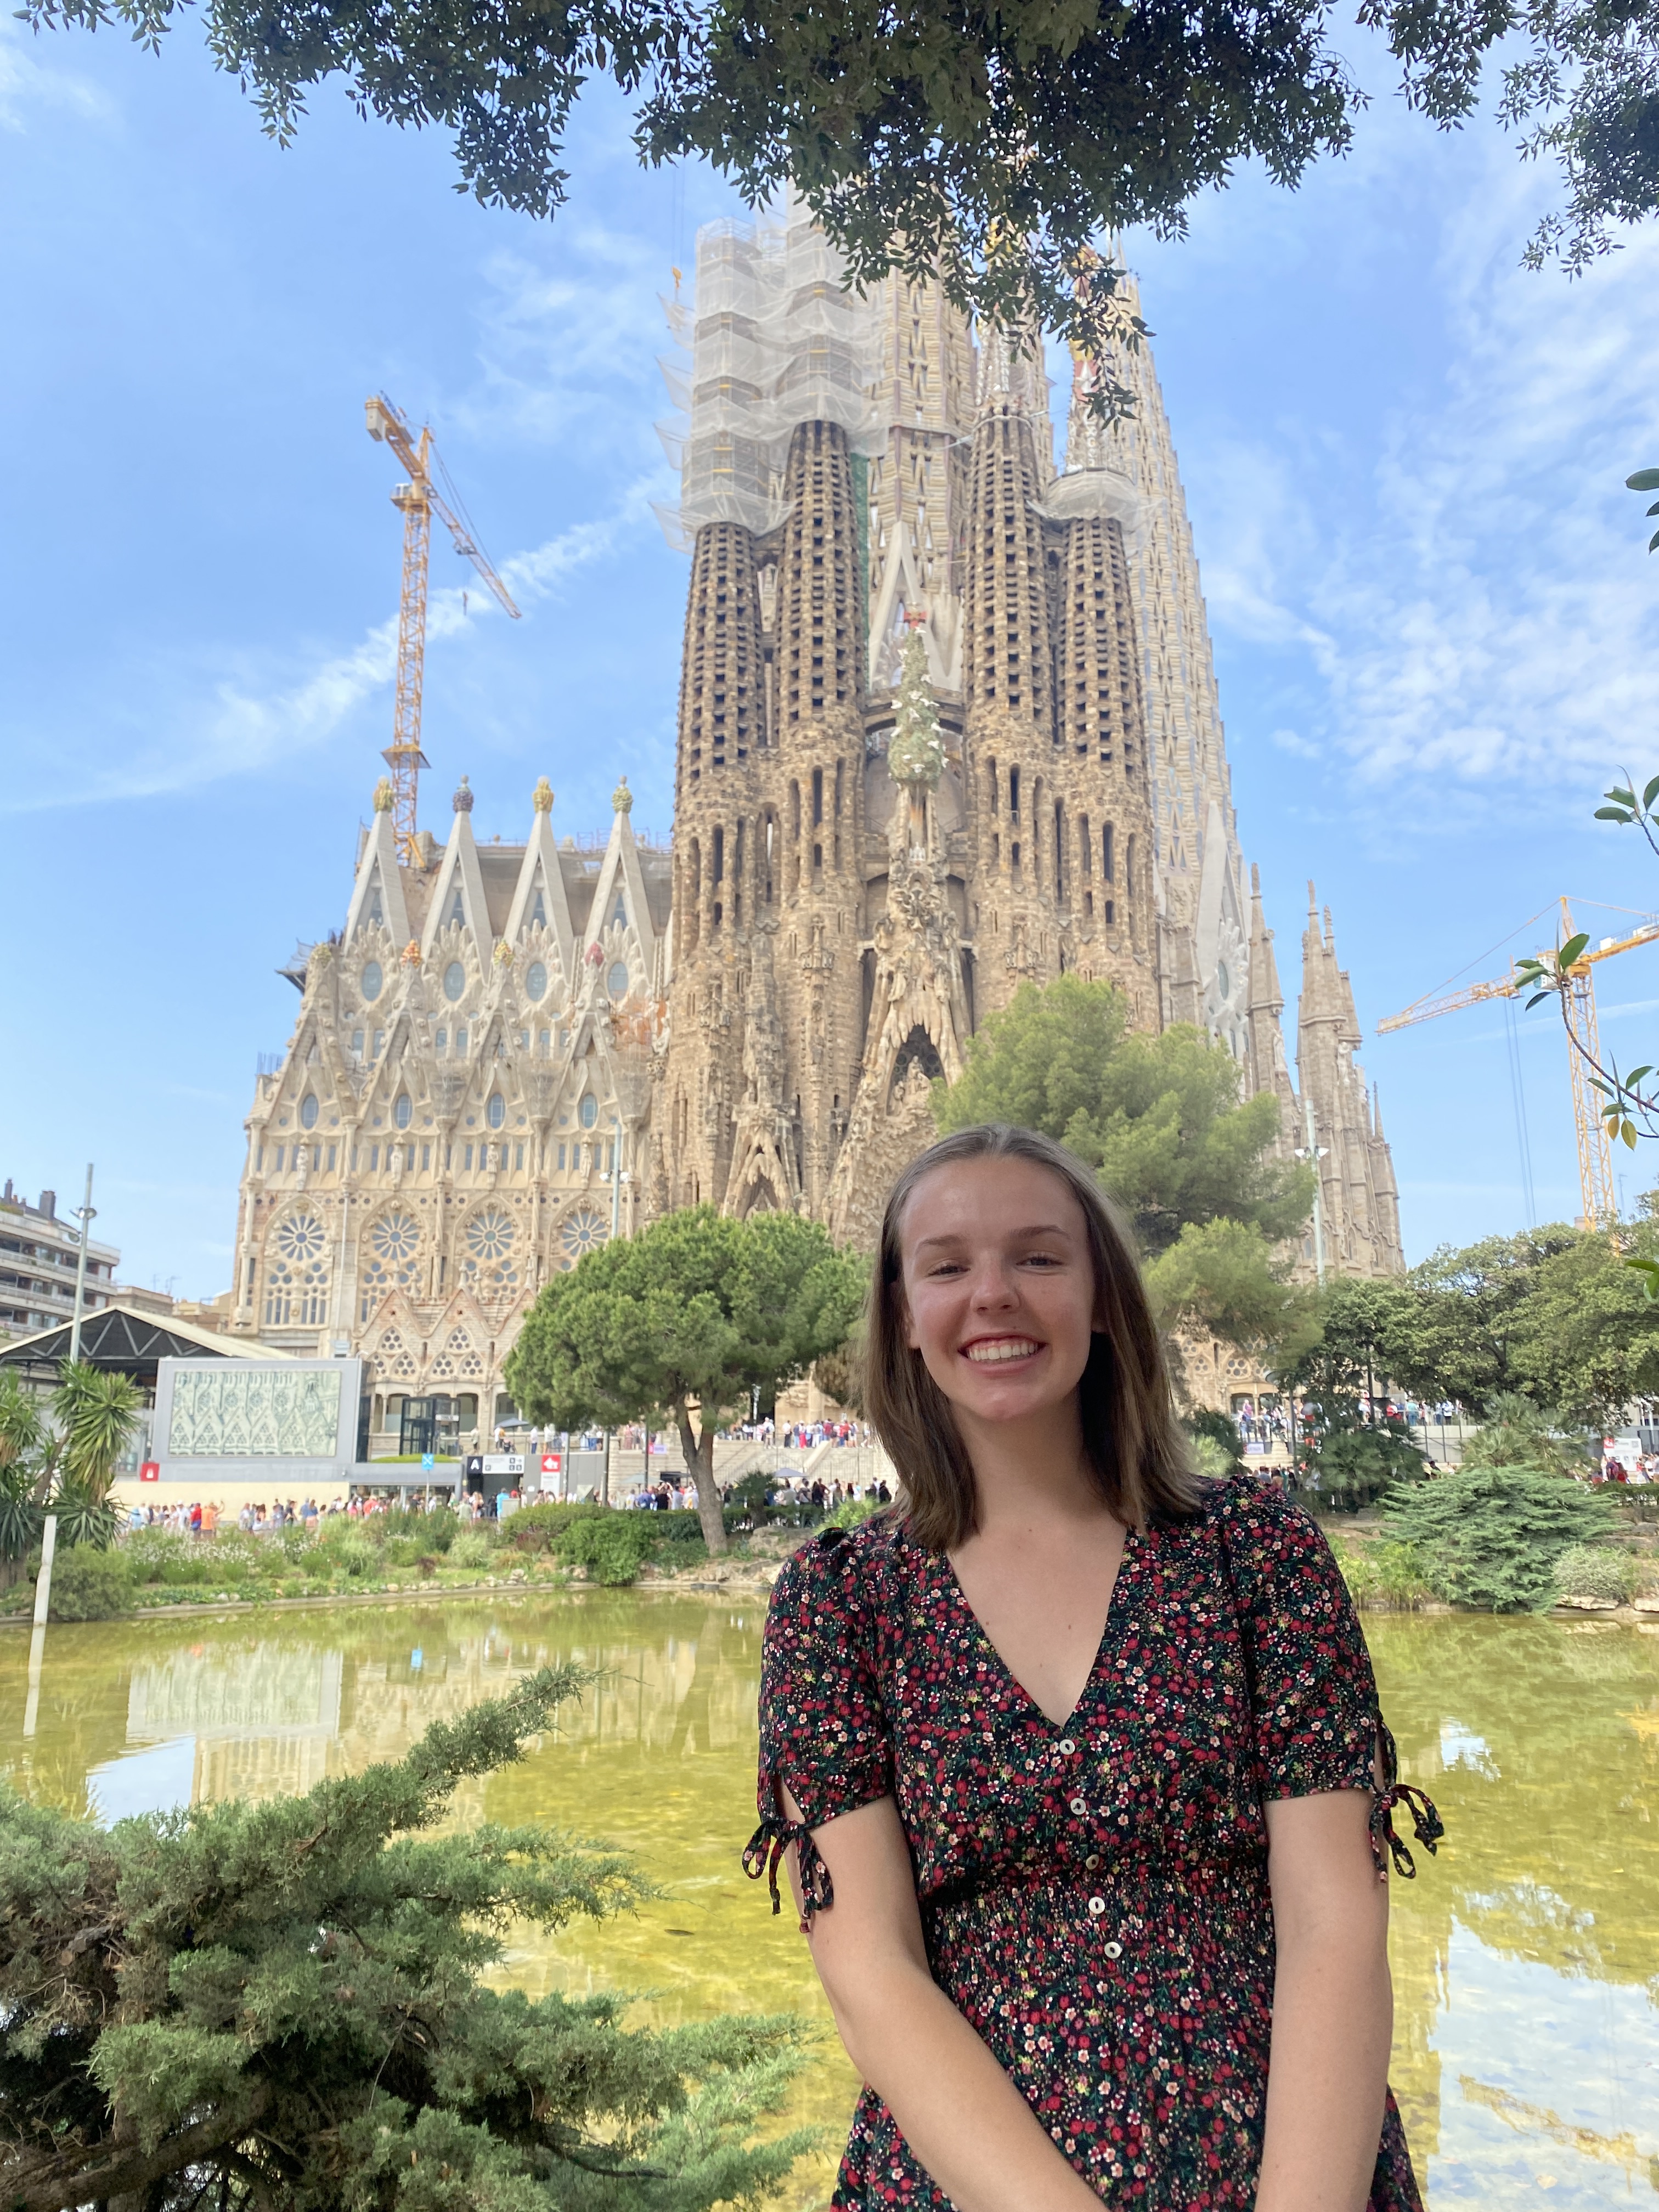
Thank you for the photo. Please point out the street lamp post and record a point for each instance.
(87, 1211)
(1316, 1155)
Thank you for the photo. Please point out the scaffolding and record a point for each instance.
(776, 340)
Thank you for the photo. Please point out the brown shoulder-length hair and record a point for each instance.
(1136, 1449)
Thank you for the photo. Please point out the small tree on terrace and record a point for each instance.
(687, 1318)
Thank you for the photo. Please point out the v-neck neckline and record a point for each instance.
(1131, 1542)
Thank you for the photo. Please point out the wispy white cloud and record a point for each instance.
(30, 86)
(235, 729)
(1462, 603)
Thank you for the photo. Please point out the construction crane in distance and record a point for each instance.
(1601, 1206)
(417, 500)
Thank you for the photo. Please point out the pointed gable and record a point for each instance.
(539, 898)
(458, 896)
(377, 895)
(619, 899)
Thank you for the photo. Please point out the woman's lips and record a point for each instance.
(1000, 1351)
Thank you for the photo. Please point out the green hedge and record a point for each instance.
(88, 1584)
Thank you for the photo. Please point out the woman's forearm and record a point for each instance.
(1327, 2077)
(956, 2109)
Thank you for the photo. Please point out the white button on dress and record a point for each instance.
(1067, 1746)
(1079, 1806)
(1096, 1906)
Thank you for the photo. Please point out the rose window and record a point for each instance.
(584, 1230)
(296, 1275)
(300, 1238)
(489, 1266)
(393, 1242)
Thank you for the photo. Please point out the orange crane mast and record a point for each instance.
(1595, 1184)
(417, 500)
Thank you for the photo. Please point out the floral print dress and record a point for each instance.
(1093, 1891)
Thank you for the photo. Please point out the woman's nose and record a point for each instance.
(991, 1285)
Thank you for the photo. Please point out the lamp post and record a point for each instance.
(86, 1213)
(1316, 1152)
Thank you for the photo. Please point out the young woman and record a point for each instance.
(1076, 1759)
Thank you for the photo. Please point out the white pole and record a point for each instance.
(43, 1580)
(1319, 1200)
(86, 1213)
(32, 1703)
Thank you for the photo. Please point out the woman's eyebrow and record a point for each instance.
(959, 1236)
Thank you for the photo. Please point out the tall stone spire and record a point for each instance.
(1268, 1069)
(923, 398)
(1362, 1226)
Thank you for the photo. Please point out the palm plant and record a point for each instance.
(23, 1443)
(97, 1412)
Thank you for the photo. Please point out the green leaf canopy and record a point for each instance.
(696, 1311)
(1159, 1119)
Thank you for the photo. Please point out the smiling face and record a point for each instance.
(998, 1286)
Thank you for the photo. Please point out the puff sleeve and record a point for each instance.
(823, 1730)
(1315, 1717)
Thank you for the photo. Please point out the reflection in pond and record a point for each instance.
(1526, 1957)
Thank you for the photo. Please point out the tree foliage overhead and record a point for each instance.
(250, 2006)
(994, 143)
(686, 1318)
(1159, 1119)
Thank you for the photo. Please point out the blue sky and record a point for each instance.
(1434, 620)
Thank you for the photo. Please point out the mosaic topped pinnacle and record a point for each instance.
(622, 799)
(383, 795)
(462, 801)
(542, 798)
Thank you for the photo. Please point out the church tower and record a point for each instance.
(1355, 1173)
(947, 725)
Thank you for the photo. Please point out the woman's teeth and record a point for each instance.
(1009, 1347)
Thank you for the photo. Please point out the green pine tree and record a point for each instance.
(253, 2005)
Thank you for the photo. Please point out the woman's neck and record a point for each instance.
(1032, 1472)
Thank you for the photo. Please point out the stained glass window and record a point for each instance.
(582, 1231)
(490, 1267)
(296, 1275)
(393, 1244)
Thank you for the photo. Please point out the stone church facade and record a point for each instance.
(508, 1048)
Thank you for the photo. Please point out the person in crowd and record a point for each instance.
(1075, 1764)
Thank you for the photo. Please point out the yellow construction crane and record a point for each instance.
(1578, 1005)
(417, 500)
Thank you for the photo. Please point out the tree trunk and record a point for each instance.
(700, 1460)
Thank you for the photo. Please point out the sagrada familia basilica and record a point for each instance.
(948, 724)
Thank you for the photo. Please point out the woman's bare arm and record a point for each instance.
(956, 2109)
(1332, 2006)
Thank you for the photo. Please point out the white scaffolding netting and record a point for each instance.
(774, 342)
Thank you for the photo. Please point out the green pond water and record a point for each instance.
(1526, 1957)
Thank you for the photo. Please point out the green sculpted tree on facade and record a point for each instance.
(1160, 1120)
(915, 752)
(284, 2004)
(686, 1318)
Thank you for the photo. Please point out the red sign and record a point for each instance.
(150, 1471)
(551, 1462)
